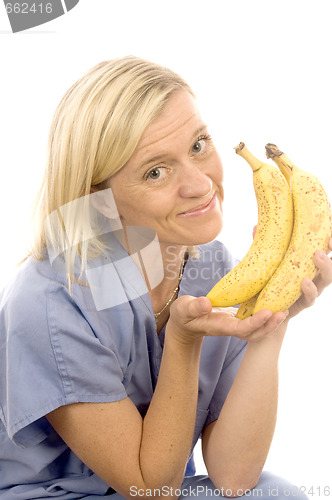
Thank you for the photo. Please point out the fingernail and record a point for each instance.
(320, 254)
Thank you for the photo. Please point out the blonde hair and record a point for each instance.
(94, 132)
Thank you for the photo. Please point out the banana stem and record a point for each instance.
(249, 157)
(272, 150)
(286, 166)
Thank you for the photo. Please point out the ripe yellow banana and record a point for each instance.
(246, 309)
(274, 229)
(312, 231)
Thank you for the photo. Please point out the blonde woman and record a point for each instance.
(112, 361)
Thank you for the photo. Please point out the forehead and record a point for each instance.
(179, 115)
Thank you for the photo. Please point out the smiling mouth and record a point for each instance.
(200, 209)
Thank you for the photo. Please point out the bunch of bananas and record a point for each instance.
(294, 220)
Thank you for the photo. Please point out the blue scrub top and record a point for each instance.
(57, 348)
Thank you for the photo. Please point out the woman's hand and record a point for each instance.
(192, 318)
(313, 288)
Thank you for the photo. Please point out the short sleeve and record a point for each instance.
(228, 373)
(51, 357)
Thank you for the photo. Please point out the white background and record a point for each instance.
(262, 73)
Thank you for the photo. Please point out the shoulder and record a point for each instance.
(37, 282)
(27, 289)
(37, 307)
(28, 301)
(23, 305)
(52, 336)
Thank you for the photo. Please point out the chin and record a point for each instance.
(210, 233)
(205, 235)
(193, 235)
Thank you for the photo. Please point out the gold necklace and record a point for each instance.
(156, 315)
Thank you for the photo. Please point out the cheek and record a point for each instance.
(137, 208)
(220, 169)
(126, 207)
(222, 193)
(217, 172)
(118, 202)
(125, 197)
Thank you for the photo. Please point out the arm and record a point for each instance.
(235, 446)
(127, 451)
(112, 438)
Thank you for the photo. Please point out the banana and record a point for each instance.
(274, 229)
(247, 307)
(312, 231)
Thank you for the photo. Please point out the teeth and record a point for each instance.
(274, 229)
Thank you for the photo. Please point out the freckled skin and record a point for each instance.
(187, 178)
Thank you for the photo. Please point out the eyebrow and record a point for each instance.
(159, 157)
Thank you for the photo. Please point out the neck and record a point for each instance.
(172, 257)
(166, 291)
(160, 265)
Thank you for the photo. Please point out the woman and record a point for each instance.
(113, 362)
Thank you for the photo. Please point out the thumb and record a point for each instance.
(190, 307)
(203, 305)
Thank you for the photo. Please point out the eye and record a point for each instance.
(200, 144)
(156, 174)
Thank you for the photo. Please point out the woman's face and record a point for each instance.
(173, 181)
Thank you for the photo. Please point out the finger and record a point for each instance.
(223, 322)
(310, 292)
(268, 327)
(188, 308)
(244, 328)
(202, 305)
(324, 265)
(330, 245)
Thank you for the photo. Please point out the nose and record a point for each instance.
(194, 182)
